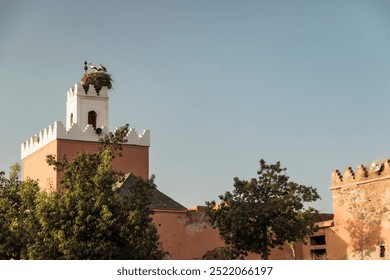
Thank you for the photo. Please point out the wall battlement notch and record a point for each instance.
(79, 89)
(362, 174)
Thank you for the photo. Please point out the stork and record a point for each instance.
(93, 67)
(102, 68)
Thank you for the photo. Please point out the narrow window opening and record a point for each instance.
(92, 118)
(319, 254)
(71, 119)
(382, 251)
(317, 240)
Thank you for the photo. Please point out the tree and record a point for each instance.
(264, 213)
(87, 219)
(91, 220)
(17, 200)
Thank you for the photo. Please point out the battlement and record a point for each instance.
(58, 131)
(362, 175)
(78, 89)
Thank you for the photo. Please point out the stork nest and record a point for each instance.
(99, 79)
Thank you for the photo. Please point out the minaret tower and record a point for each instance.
(86, 122)
(89, 106)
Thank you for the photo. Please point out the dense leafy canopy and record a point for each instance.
(87, 219)
(264, 213)
(17, 200)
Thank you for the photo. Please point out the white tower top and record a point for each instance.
(86, 115)
(87, 107)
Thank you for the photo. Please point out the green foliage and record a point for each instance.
(17, 200)
(140, 231)
(88, 219)
(264, 213)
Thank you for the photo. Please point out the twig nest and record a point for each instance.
(99, 79)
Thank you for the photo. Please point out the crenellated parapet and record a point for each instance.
(362, 175)
(80, 89)
(141, 139)
(58, 131)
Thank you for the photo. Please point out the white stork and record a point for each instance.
(102, 68)
(93, 67)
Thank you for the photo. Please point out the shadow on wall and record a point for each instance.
(365, 237)
(365, 223)
(365, 212)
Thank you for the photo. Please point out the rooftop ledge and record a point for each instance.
(58, 131)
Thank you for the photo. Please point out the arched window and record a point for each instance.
(92, 118)
(71, 119)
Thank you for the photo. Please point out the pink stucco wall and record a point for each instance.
(135, 159)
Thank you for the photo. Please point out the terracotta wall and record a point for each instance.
(135, 159)
(187, 235)
(35, 167)
(361, 200)
(362, 219)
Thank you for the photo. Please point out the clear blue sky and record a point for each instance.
(220, 84)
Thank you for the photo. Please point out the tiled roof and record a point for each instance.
(159, 200)
(321, 217)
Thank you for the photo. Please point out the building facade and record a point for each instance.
(359, 228)
(86, 122)
(361, 202)
(184, 234)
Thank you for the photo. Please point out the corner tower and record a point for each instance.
(361, 199)
(87, 115)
